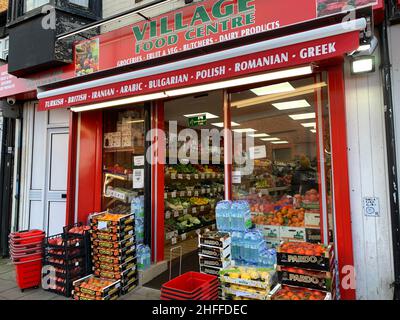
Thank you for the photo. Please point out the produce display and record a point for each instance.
(94, 288)
(67, 255)
(249, 276)
(287, 216)
(293, 293)
(191, 195)
(114, 250)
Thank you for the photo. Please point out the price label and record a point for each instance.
(189, 193)
(180, 176)
(173, 194)
(196, 193)
(202, 208)
(173, 176)
(173, 240)
(194, 210)
(188, 176)
(168, 214)
(203, 191)
(185, 211)
(166, 195)
(196, 176)
(183, 236)
(102, 225)
(203, 176)
(176, 214)
(182, 193)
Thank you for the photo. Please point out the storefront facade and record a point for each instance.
(345, 140)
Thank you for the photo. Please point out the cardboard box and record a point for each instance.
(292, 234)
(313, 235)
(312, 220)
(318, 280)
(214, 263)
(270, 232)
(275, 291)
(210, 270)
(215, 239)
(216, 253)
(318, 263)
(126, 141)
(272, 243)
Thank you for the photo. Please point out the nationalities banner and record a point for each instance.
(284, 57)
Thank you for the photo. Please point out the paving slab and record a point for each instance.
(16, 293)
(8, 276)
(38, 295)
(7, 285)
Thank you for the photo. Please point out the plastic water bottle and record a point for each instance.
(147, 258)
(222, 212)
(140, 260)
(247, 242)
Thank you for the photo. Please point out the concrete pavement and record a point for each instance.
(10, 291)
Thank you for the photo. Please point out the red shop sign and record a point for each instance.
(199, 25)
(297, 54)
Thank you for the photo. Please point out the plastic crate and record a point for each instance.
(190, 284)
(27, 237)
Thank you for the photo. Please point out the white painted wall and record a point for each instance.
(368, 178)
(394, 36)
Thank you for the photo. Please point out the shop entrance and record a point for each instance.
(285, 139)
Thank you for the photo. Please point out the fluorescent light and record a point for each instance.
(313, 131)
(363, 65)
(259, 135)
(242, 81)
(280, 142)
(273, 89)
(135, 121)
(208, 115)
(247, 130)
(279, 96)
(296, 104)
(221, 124)
(120, 102)
(270, 139)
(303, 116)
(309, 125)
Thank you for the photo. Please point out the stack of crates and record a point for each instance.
(66, 259)
(114, 249)
(191, 286)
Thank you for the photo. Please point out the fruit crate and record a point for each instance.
(96, 287)
(282, 292)
(127, 274)
(115, 260)
(105, 220)
(318, 280)
(114, 267)
(129, 250)
(306, 256)
(261, 278)
(106, 236)
(113, 244)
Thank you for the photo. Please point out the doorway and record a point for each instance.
(44, 169)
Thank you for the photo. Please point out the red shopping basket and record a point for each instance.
(189, 286)
(27, 237)
(28, 271)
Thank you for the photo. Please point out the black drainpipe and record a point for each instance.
(391, 149)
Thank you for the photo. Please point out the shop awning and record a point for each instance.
(223, 67)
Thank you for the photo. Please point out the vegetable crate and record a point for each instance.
(67, 258)
(191, 286)
(26, 250)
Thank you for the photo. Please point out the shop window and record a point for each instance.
(82, 3)
(33, 4)
(281, 158)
